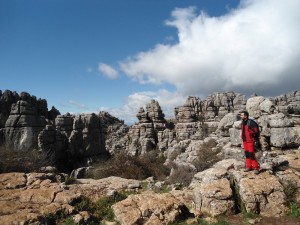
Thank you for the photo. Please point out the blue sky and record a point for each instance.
(115, 55)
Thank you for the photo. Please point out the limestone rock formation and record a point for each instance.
(149, 208)
(115, 133)
(143, 136)
(288, 103)
(268, 200)
(7, 98)
(23, 126)
(86, 138)
(215, 187)
(22, 117)
(25, 198)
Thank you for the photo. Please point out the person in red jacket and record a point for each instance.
(249, 132)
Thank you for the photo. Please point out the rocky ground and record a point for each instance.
(220, 190)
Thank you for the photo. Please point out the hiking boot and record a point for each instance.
(247, 170)
(256, 172)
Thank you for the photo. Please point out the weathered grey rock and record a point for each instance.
(185, 114)
(86, 138)
(143, 116)
(233, 152)
(22, 127)
(64, 123)
(191, 111)
(273, 163)
(235, 136)
(226, 123)
(208, 176)
(80, 172)
(279, 120)
(253, 106)
(146, 135)
(290, 178)
(7, 98)
(229, 164)
(267, 106)
(53, 142)
(154, 112)
(285, 137)
(288, 103)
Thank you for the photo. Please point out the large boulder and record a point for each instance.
(257, 197)
(212, 192)
(149, 208)
(285, 137)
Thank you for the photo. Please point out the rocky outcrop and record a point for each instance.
(214, 189)
(73, 137)
(257, 197)
(7, 98)
(25, 198)
(212, 192)
(86, 138)
(23, 126)
(115, 133)
(143, 136)
(149, 208)
(22, 117)
(288, 103)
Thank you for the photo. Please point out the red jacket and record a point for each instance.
(250, 131)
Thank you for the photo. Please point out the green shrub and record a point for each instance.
(101, 209)
(69, 221)
(294, 210)
(248, 216)
(84, 204)
(51, 218)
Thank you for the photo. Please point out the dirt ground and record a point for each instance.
(238, 220)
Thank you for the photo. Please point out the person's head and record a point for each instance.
(244, 115)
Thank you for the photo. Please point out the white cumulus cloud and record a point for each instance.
(253, 48)
(167, 101)
(108, 71)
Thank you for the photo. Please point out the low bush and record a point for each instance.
(131, 167)
(207, 155)
(101, 209)
(21, 161)
(294, 210)
(182, 174)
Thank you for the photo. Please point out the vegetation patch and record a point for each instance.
(126, 166)
(21, 161)
(294, 210)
